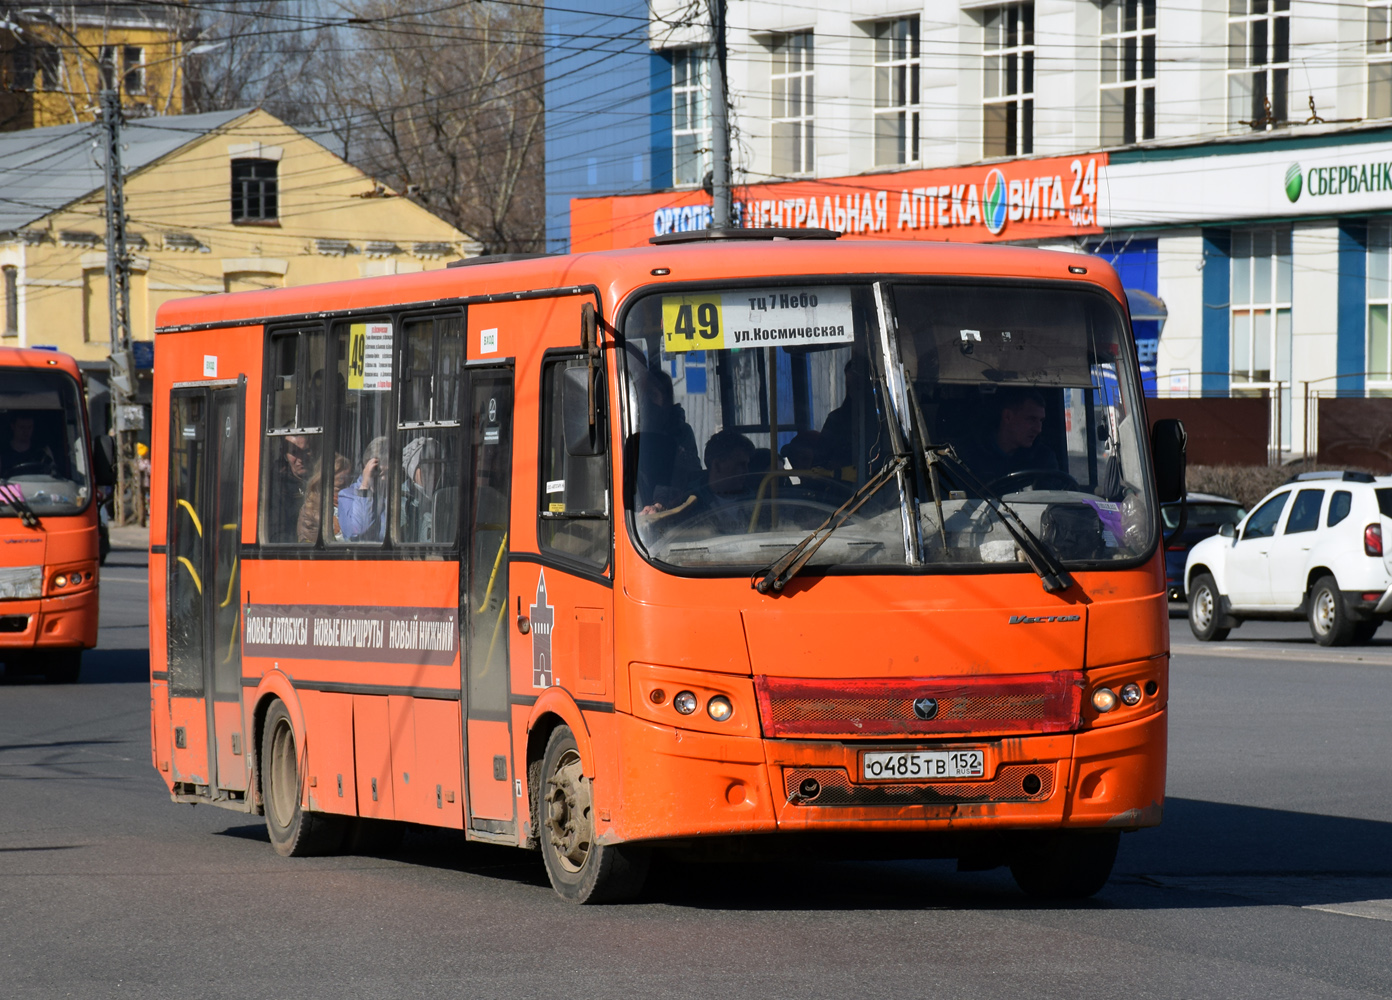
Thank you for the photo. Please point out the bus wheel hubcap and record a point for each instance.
(568, 810)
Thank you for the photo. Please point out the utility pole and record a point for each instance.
(130, 497)
(721, 208)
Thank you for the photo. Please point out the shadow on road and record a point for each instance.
(1205, 854)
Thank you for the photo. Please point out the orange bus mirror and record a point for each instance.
(582, 437)
(1168, 443)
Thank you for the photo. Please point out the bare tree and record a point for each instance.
(444, 103)
(265, 53)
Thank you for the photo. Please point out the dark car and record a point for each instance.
(1207, 513)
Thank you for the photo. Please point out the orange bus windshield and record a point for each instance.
(43, 458)
(755, 414)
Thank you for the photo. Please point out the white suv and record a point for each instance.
(1311, 549)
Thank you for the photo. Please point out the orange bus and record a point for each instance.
(783, 545)
(48, 517)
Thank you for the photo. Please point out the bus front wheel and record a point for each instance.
(294, 831)
(581, 870)
(1068, 864)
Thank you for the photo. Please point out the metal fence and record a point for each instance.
(1274, 423)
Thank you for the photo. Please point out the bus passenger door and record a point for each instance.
(204, 651)
(484, 611)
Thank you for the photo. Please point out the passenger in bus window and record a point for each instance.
(289, 485)
(729, 458)
(659, 414)
(420, 464)
(311, 512)
(363, 505)
(838, 436)
(1009, 439)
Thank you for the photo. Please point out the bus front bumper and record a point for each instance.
(678, 783)
(49, 622)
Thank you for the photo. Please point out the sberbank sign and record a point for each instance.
(1361, 178)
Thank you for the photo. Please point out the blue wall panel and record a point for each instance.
(600, 100)
(1350, 354)
(1217, 353)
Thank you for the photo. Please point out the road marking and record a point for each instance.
(1293, 890)
(1278, 653)
(1369, 909)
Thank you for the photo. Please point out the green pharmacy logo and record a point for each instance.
(1294, 182)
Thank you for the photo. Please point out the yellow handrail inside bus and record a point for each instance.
(192, 572)
(231, 584)
(232, 639)
(493, 577)
(193, 514)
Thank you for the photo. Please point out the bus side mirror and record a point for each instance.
(103, 465)
(582, 432)
(1168, 442)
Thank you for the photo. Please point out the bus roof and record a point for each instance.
(33, 357)
(617, 272)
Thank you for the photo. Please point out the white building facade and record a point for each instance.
(1231, 157)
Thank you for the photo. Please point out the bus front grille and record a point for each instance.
(14, 623)
(981, 704)
(833, 787)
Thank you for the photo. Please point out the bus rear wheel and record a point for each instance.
(294, 831)
(581, 870)
(1068, 864)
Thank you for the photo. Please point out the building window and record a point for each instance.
(1380, 59)
(11, 300)
(1258, 63)
(1379, 364)
(106, 62)
(1128, 71)
(791, 81)
(36, 66)
(1261, 305)
(254, 191)
(690, 116)
(1009, 86)
(133, 70)
(896, 91)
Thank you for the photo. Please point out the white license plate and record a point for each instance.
(923, 766)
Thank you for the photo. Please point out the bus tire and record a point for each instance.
(580, 870)
(294, 831)
(1066, 865)
(62, 666)
(1330, 622)
(1206, 610)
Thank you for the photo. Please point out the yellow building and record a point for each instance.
(55, 61)
(217, 202)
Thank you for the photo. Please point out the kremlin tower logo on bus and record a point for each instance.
(542, 616)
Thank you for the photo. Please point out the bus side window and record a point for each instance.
(294, 433)
(431, 476)
(359, 500)
(573, 519)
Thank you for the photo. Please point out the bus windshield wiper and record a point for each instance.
(789, 564)
(1051, 572)
(14, 496)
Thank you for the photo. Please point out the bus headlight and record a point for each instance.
(60, 581)
(1131, 694)
(719, 708)
(1104, 700)
(684, 702)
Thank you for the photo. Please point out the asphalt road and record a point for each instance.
(1270, 877)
